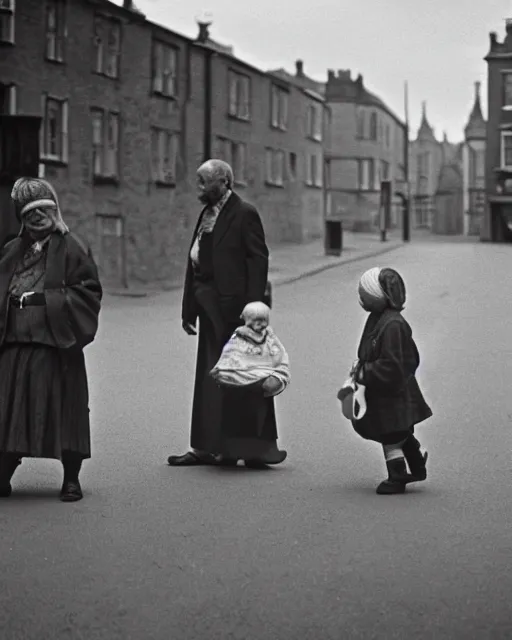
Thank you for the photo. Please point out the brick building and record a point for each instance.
(130, 109)
(367, 145)
(497, 216)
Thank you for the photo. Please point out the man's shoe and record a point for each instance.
(272, 459)
(71, 491)
(221, 461)
(190, 459)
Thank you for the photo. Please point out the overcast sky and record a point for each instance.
(436, 45)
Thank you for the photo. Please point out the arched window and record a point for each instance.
(373, 126)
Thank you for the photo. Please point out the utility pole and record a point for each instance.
(406, 224)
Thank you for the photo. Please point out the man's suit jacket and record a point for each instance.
(240, 261)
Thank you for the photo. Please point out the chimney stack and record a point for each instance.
(128, 4)
(299, 69)
(204, 21)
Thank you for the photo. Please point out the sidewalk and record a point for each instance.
(291, 262)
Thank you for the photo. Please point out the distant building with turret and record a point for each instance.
(473, 167)
(427, 158)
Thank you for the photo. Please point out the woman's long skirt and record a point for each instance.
(44, 401)
(236, 423)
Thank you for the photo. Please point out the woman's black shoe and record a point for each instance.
(71, 491)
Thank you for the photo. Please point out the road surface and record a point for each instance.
(305, 551)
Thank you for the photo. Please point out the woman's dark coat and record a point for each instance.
(72, 290)
(389, 359)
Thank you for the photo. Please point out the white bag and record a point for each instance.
(353, 400)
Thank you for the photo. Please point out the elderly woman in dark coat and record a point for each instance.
(387, 362)
(50, 298)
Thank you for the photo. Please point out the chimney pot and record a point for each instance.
(299, 68)
(330, 75)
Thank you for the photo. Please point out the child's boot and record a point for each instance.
(416, 460)
(397, 478)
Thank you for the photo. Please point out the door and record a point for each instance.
(19, 156)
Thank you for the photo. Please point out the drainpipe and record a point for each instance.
(407, 204)
(207, 143)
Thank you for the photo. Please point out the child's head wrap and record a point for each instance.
(380, 289)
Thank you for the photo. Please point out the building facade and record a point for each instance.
(368, 144)
(473, 161)
(497, 217)
(130, 109)
(427, 158)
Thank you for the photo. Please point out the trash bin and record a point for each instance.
(333, 237)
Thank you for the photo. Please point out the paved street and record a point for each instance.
(306, 551)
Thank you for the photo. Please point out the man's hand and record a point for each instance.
(189, 328)
(271, 386)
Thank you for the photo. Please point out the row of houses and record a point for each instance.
(129, 110)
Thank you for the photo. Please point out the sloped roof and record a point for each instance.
(425, 131)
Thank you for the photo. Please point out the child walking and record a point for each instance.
(387, 362)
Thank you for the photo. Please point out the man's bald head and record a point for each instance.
(217, 170)
(214, 178)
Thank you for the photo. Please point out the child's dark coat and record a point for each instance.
(389, 361)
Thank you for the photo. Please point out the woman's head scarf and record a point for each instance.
(29, 194)
(380, 289)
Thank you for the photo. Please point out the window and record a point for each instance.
(384, 170)
(55, 130)
(366, 175)
(55, 29)
(387, 136)
(314, 171)
(506, 149)
(292, 165)
(423, 164)
(7, 99)
(164, 147)
(165, 70)
(274, 161)
(279, 108)
(360, 124)
(239, 96)
(373, 126)
(7, 8)
(507, 91)
(235, 154)
(107, 43)
(238, 163)
(314, 122)
(105, 143)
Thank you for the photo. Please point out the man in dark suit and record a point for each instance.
(227, 267)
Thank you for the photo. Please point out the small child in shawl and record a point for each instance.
(254, 354)
(387, 363)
